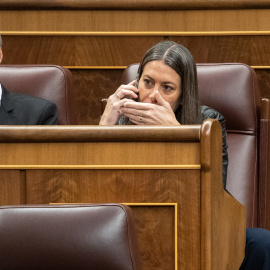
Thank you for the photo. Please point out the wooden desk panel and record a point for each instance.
(135, 20)
(98, 154)
(12, 187)
(134, 186)
(138, 165)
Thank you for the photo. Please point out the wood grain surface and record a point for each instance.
(97, 62)
(185, 171)
(131, 4)
(135, 20)
(144, 186)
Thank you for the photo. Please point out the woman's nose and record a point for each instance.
(152, 94)
(155, 88)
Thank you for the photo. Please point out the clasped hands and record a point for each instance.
(158, 112)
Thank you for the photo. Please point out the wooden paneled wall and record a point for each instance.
(96, 40)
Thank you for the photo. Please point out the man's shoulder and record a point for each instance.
(27, 98)
(23, 100)
(29, 110)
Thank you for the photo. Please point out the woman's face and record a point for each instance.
(159, 77)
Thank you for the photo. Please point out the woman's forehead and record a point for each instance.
(158, 70)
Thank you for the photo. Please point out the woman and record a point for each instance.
(166, 93)
(166, 60)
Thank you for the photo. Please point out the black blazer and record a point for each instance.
(20, 109)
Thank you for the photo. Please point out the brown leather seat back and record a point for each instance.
(90, 236)
(46, 81)
(232, 90)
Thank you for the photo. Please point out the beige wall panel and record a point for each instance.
(115, 20)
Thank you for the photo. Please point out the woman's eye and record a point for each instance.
(167, 89)
(147, 82)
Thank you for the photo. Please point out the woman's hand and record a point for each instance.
(116, 101)
(159, 112)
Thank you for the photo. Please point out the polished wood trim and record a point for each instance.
(100, 167)
(212, 194)
(124, 67)
(96, 67)
(265, 161)
(176, 236)
(265, 112)
(131, 4)
(135, 20)
(261, 67)
(99, 133)
(135, 204)
(135, 33)
(151, 204)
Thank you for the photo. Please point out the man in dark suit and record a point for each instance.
(20, 109)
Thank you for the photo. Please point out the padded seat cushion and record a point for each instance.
(68, 237)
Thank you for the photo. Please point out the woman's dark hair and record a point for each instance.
(180, 59)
